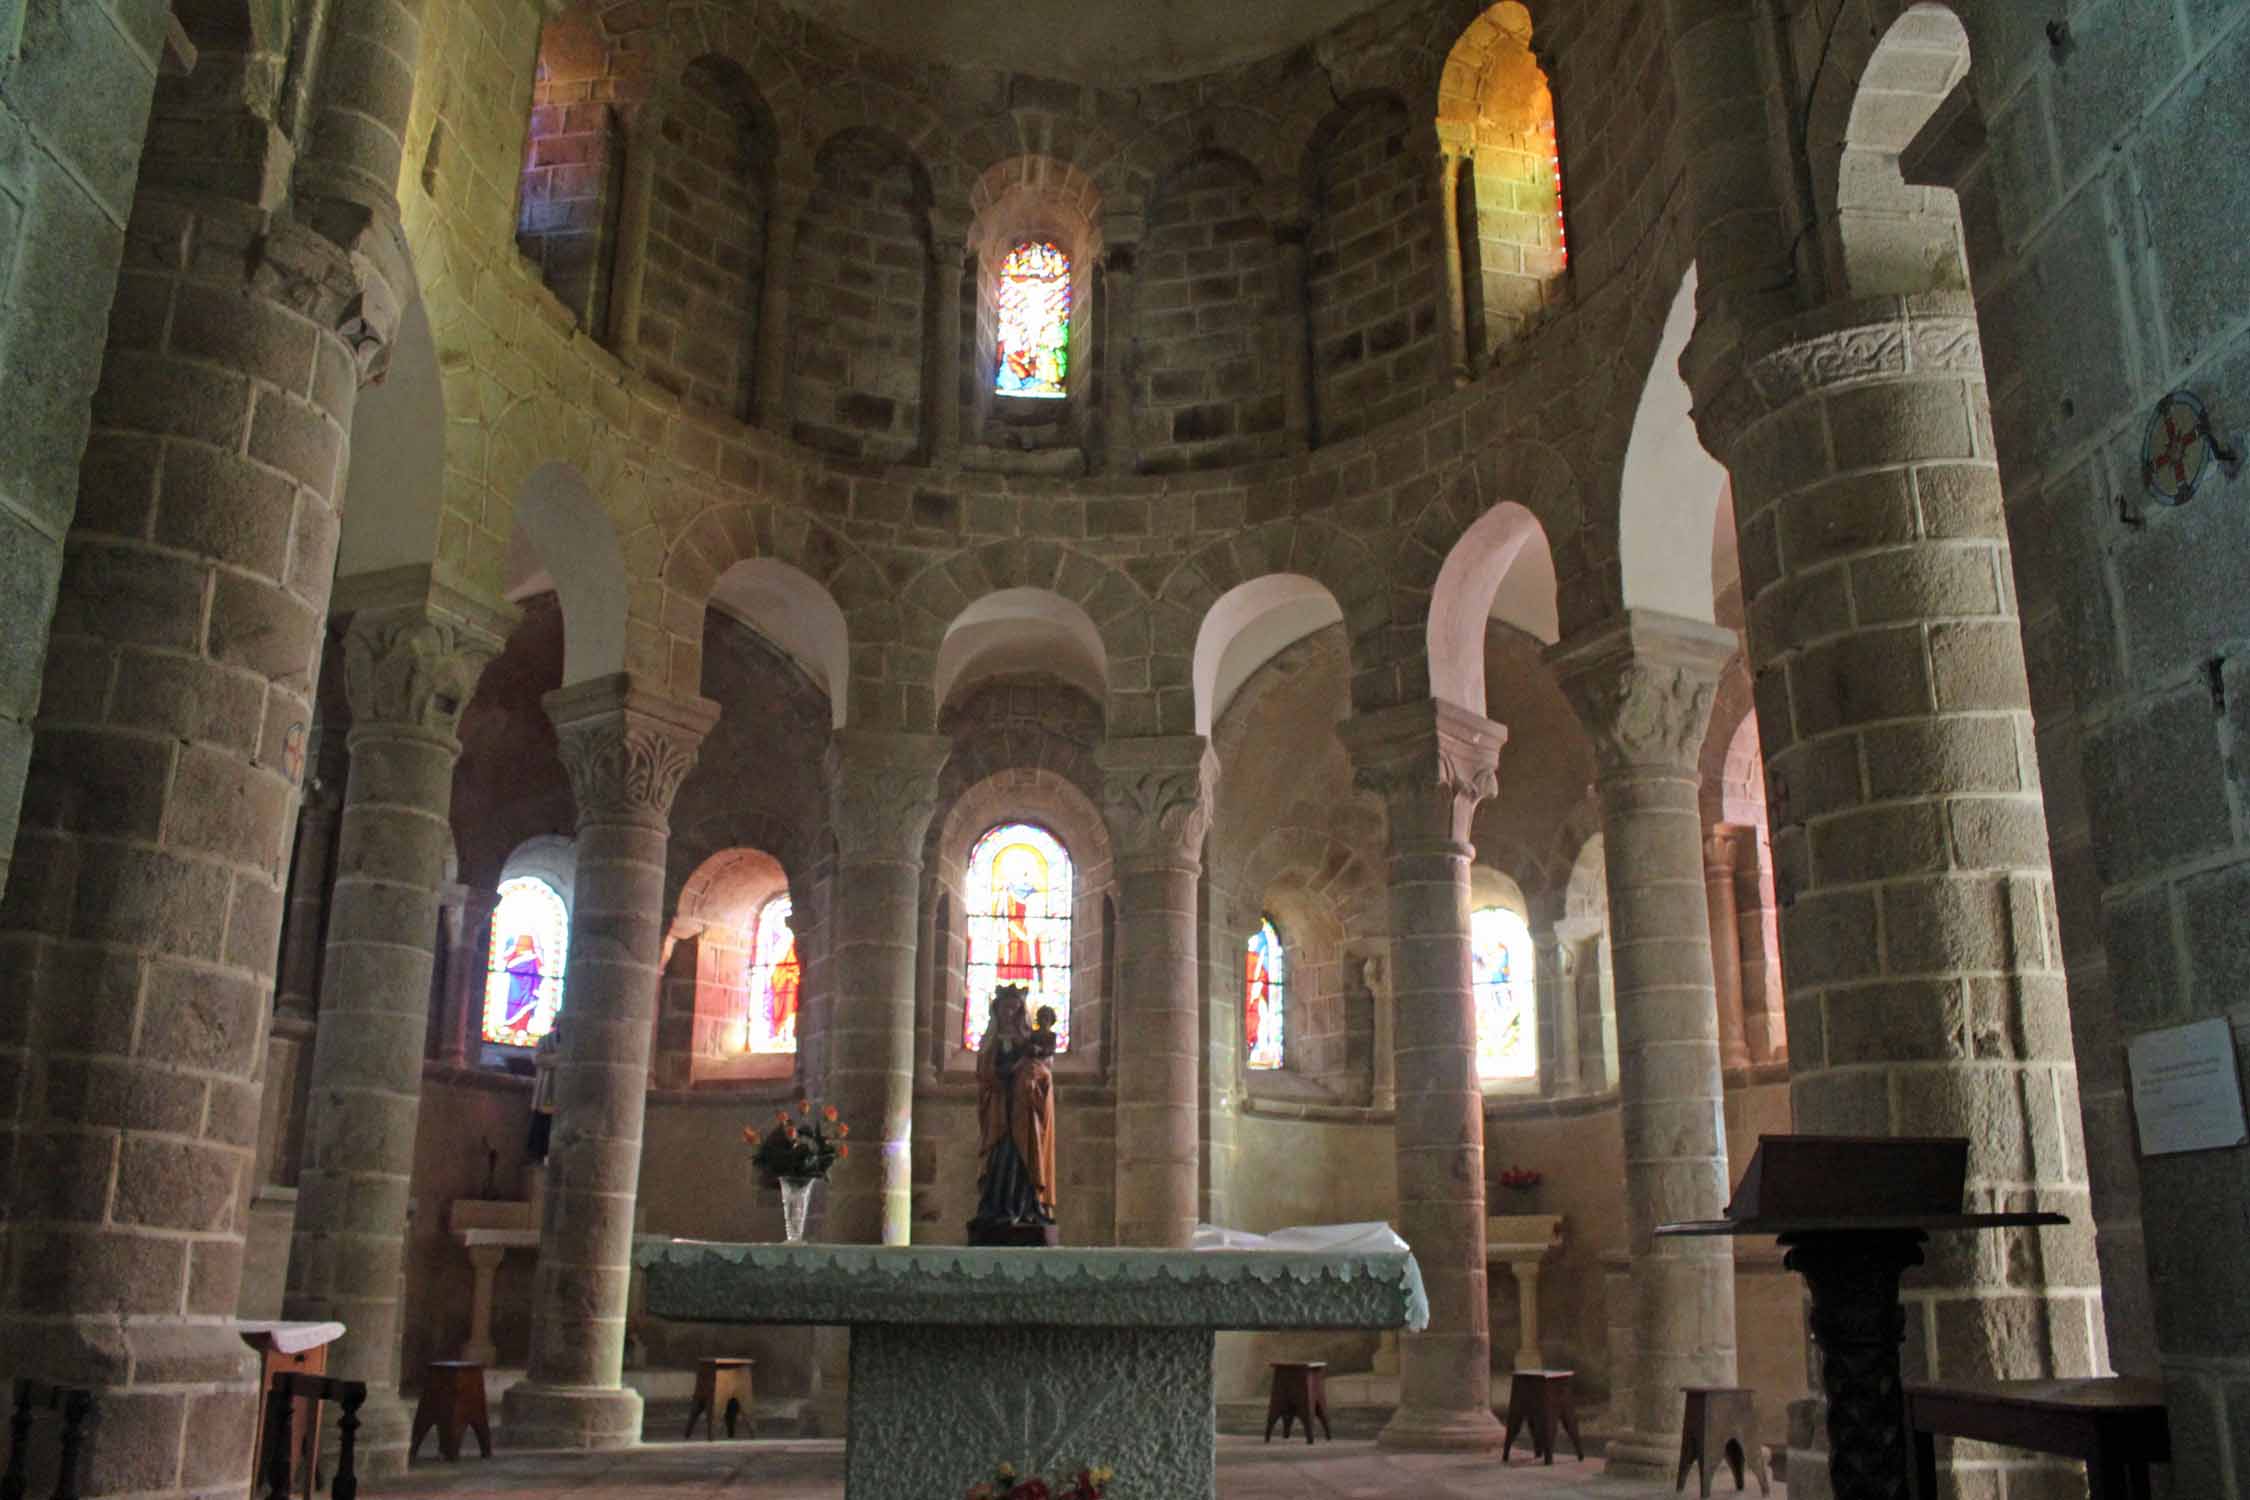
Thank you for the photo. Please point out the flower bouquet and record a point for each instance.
(796, 1151)
(1086, 1484)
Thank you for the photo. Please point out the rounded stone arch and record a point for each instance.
(1444, 28)
(1348, 106)
(1248, 626)
(1732, 707)
(721, 536)
(1884, 81)
(562, 539)
(940, 594)
(700, 845)
(1049, 800)
(1257, 139)
(1670, 487)
(1329, 901)
(984, 749)
(1302, 547)
(391, 512)
(906, 122)
(675, 37)
(1452, 560)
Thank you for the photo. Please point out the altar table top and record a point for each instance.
(708, 1282)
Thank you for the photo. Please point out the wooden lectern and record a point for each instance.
(289, 1349)
(1852, 1213)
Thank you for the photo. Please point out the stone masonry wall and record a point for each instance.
(75, 83)
(573, 173)
(857, 291)
(1208, 362)
(1372, 277)
(706, 245)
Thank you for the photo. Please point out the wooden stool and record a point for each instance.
(452, 1398)
(1300, 1393)
(1721, 1425)
(1539, 1400)
(722, 1386)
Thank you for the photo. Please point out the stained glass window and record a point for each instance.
(776, 978)
(1500, 969)
(523, 986)
(1033, 353)
(1018, 908)
(1265, 991)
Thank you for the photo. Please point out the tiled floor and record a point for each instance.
(1248, 1470)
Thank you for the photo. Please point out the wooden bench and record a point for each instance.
(2117, 1427)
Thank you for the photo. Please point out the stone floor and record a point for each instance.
(1248, 1470)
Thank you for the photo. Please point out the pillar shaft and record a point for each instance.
(143, 912)
(465, 979)
(627, 751)
(1431, 764)
(882, 791)
(942, 403)
(410, 670)
(1720, 850)
(1119, 452)
(1925, 987)
(1644, 690)
(1450, 159)
(1296, 335)
(769, 403)
(1157, 799)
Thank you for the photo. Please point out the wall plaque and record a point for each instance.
(2187, 1094)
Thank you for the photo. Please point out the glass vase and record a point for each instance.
(796, 1198)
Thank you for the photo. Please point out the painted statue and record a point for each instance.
(524, 973)
(1016, 1120)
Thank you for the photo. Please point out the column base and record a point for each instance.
(1414, 1429)
(1641, 1455)
(570, 1416)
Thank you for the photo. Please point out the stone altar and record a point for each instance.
(962, 1359)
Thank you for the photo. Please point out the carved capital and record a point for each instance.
(1430, 762)
(1157, 796)
(414, 665)
(1643, 688)
(1900, 338)
(627, 749)
(882, 789)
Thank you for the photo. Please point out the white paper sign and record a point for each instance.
(2187, 1095)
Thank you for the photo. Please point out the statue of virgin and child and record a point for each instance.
(1016, 1124)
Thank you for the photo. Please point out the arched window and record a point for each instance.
(1032, 355)
(1018, 907)
(1265, 993)
(776, 977)
(1500, 969)
(523, 987)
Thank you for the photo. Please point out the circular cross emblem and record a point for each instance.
(2177, 451)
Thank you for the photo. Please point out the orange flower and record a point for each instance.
(843, 1151)
(842, 1131)
(830, 1112)
(781, 1117)
(750, 1134)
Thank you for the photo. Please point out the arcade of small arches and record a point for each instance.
(1467, 701)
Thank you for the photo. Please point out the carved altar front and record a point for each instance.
(962, 1359)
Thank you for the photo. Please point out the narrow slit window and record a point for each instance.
(1018, 903)
(776, 978)
(523, 987)
(1265, 994)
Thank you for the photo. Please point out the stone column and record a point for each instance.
(1119, 451)
(281, 1104)
(1157, 801)
(627, 750)
(1925, 987)
(882, 791)
(1450, 158)
(1432, 763)
(143, 907)
(411, 665)
(941, 401)
(1558, 1011)
(1293, 318)
(484, 1264)
(465, 976)
(1721, 846)
(1377, 977)
(1643, 689)
(771, 395)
